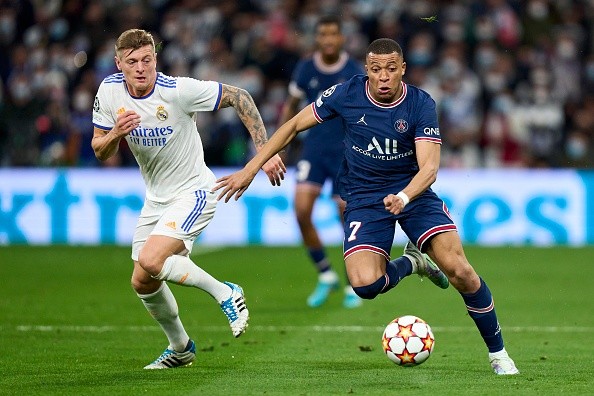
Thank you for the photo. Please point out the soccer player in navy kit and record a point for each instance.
(322, 148)
(391, 160)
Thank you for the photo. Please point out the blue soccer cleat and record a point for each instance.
(426, 268)
(327, 283)
(172, 359)
(235, 309)
(351, 299)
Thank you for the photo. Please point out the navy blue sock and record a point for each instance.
(369, 292)
(318, 256)
(396, 270)
(481, 309)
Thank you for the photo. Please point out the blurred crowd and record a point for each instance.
(513, 80)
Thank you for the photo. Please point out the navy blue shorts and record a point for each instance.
(314, 168)
(371, 227)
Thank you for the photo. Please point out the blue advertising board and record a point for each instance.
(100, 206)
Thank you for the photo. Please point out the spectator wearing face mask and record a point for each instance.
(82, 109)
(501, 145)
(565, 66)
(578, 150)
(541, 120)
(18, 119)
(459, 109)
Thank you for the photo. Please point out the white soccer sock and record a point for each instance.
(328, 277)
(349, 290)
(162, 306)
(499, 354)
(182, 271)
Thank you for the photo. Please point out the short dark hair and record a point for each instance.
(384, 46)
(329, 20)
(134, 39)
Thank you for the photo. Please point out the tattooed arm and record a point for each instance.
(247, 111)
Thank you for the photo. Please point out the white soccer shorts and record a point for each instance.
(183, 218)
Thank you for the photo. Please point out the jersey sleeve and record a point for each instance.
(103, 116)
(297, 85)
(328, 103)
(295, 91)
(197, 95)
(427, 124)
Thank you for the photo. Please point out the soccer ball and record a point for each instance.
(408, 341)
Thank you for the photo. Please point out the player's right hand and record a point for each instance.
(126, 122)
(393, 204)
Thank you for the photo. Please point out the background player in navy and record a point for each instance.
(322, 149)
(391, 160)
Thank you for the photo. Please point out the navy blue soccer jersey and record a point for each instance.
(310, 78)
(380, 156)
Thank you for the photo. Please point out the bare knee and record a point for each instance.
(366, 284)
(142, 282)
(460, 273)
(303, 216)
(465, 279)
(364, 275)
(358, 278)
(150, 262)
(446, 250)
(366, 271)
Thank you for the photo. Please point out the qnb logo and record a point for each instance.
(390, 146)
(431, 131)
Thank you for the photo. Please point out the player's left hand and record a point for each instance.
(393, 204)
(234, 184)
(275, 169)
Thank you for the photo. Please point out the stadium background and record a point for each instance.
(513, 80)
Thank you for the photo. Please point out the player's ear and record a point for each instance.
(117, 62)
(403, 68)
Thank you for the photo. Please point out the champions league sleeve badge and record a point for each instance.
(325, 94)
(162, 114)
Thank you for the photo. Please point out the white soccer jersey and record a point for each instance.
(166, 144)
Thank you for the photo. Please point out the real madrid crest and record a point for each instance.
(162, 113)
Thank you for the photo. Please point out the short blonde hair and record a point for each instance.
(134, 39)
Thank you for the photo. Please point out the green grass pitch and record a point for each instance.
(71, 325)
